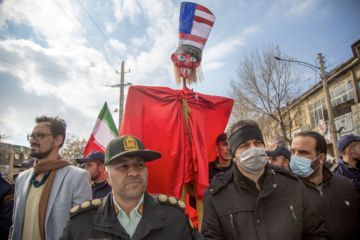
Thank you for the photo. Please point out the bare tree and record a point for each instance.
(264, 86)
(72, 148)
(5, 131)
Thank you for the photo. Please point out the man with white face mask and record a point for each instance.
(256, 200)
(334, 196)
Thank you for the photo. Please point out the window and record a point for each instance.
(342, 93)
(317, 111)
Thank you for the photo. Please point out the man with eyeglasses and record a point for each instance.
(45, 193)
(334, 196)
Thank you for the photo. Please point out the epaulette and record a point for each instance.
(169, 200)
(333, 167)
(7, 179)
(85, 206)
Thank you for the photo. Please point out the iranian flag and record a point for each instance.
(104, 131)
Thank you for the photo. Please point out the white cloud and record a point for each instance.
(300, 8)
(223, 49)
(213, 65)
(292, 8)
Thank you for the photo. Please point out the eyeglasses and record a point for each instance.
(38, 135)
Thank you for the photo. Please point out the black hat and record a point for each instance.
(93, 155)
(128, 146)
(26, 164)
(344, 141)
(280, 150)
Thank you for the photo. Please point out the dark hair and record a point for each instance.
(221, 138)
(321, 146)
(240, 124)
(98, 162)
(57, 126)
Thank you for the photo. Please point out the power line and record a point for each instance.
(134, 75)
(56, 64)
(107, 40)
(343, 27)
(342, 43)
(324, 28)
(76, 26)
(51, 75)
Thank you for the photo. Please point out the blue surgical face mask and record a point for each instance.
(302, 166)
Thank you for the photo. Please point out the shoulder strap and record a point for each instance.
(85, 206)
(169, 200)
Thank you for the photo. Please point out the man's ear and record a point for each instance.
(58, 140)
(107, 176)
(102, 167)
(322, 158)
(348, 151)
(217, 148)
(286, 162)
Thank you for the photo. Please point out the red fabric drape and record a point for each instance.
(154, 115)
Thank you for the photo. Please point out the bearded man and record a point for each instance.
(45, 193)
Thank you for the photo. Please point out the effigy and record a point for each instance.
(181, 124)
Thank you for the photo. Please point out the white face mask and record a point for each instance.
(253, 160)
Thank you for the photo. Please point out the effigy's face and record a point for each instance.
(185, 62)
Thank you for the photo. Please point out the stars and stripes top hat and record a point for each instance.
(195, 24)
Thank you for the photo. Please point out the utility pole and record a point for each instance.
(121, 86)
(333, 132)
(121, 101)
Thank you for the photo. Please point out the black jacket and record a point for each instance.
(160, 221)
(282, 208)
(337, 203)
(7, 187)
(215, 168)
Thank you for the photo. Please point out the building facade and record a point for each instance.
(308, 112)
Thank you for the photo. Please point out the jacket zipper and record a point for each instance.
(293, 212)
(232, 221)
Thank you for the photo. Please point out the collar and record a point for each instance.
(100, 184)
(139, 209)
(341, 161)
(327, 175)
(245, 181)
(36, 182)
(218, 165)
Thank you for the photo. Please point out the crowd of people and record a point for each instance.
(252, 193)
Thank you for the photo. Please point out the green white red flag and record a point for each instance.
(104, 131)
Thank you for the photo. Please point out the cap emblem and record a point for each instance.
(130, 143)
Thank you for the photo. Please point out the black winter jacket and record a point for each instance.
(159, 221)
(281, 210)
(336, 201)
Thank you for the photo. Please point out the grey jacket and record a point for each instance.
(71, 187)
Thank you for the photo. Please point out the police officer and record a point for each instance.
(6, 204)
(25, 165)
(349, 164)
(129, 212)
(280, 157)
(94, 164)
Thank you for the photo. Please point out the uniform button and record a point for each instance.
(274, 185)
(211, 190)
(258, 222)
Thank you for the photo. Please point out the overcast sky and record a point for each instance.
(56, 57)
